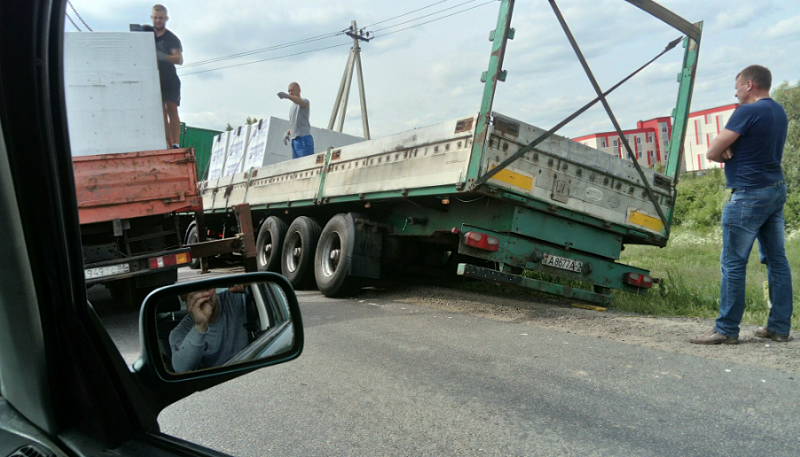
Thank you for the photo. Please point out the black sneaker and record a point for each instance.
(764, 332)
(175, 146)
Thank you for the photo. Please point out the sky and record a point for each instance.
(419, 74)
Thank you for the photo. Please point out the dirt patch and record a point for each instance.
(665, 333)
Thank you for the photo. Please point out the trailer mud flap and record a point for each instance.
(366, 256)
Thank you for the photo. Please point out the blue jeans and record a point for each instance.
(754, 214)
(302, 146)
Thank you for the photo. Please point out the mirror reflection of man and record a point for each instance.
(212, 332)
(169, 52)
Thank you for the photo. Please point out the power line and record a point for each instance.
(258, 51)
(319, 37)
(404, 14)
(437, 19)
(73, 22)
(264, 60)
(79, 16)
(313, 39)
(423, 17)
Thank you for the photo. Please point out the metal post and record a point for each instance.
(493, 75)
(346, 94)
(246, 229)
(361, 94)
(341, 91)
(353, 63)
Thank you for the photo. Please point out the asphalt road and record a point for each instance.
(386, 378)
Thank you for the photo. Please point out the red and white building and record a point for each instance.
(650, 139)
(701, 130)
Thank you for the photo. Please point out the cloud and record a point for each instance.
(736, 17)
(431, 73)
(785, 28)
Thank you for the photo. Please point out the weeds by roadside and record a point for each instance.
(689, 268)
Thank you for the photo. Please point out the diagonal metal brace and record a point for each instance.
(670, 18)
(524, 150)
(610, 113)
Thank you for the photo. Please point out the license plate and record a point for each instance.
(562, 263)
(100, 272)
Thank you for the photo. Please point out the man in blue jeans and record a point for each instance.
(751, 147)
(299, 125)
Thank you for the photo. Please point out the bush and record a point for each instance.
(700, 199)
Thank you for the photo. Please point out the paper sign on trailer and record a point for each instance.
(234, 161)
(219, 152)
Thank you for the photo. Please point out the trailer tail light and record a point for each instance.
(169, 260)
(481, 241)
(639, 280)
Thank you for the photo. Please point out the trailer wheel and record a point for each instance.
(297, 255)
(269, 244)
(333, 258)
(192, 238)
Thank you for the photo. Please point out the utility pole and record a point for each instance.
(353, 62)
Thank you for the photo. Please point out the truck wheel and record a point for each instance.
(297, 255)
(269, 244)
(192, 238)
(333, 258)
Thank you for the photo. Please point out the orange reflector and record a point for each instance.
(481, 241)
(169, 260)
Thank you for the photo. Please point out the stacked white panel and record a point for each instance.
(113, 93)
(234, 161)
(218, 153)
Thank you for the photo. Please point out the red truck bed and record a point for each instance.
(135, 184)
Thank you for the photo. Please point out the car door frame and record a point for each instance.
(69, 382)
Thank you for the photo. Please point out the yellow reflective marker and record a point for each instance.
(645, 220)
(589, 307)
(515, 179)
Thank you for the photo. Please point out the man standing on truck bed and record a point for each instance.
(299, 125)
(751, 146)
(169, 53)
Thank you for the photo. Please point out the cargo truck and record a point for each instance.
(486, 195)
(129, 188)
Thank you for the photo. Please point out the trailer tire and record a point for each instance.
(269, 244)
(334, 256)
(297, 255)
(192, 238)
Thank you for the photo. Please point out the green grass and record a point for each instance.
(689, 268)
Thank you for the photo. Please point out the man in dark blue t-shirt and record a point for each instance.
(169, 53)
(751, 147)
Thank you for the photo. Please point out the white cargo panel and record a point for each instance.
(431, 156)
(292, 180)
(219, 152)
(569, 174)
(268, 147)
(112, 92)
(234, 161)
(560, 172)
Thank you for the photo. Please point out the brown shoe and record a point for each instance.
(714, 338)
(764, 332)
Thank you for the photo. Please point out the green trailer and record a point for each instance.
(484, 195)
(201, 140)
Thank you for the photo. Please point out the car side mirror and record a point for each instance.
(220, 325)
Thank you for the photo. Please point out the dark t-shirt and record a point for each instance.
(758, 152)
(166, 43)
